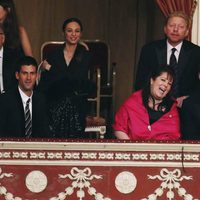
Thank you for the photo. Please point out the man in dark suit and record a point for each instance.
(187, 55)
(8, 58)
(22, 110)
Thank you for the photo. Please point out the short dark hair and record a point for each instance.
(161, 69)
(26, 60)
(72, 19)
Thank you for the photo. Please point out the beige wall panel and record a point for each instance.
(124, 24)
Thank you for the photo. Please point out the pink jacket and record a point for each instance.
(133, 119)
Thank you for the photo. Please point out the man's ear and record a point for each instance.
(17, 75)
(37, 76)
(3, 36)
(151, 81)
(186, 33)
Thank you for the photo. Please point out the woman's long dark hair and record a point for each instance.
(10, 24)
(146, 93)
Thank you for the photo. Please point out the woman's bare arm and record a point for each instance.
(26, 45)
(121, 135)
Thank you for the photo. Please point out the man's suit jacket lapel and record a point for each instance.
(36, 111)
(20, 110)
(161, 53)
(183, 57)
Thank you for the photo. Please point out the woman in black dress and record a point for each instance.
(65, 83)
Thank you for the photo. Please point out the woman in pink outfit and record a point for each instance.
(151, 113)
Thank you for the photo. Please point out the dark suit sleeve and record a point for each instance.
(190, 116)
(143, 69)
(3, 115)
(45, 126)
(40, 117)
(45, 81)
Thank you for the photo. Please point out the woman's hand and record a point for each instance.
(45, 65)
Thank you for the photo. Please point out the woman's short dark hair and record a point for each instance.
(72, 19)
(159, 70)
(146, 93)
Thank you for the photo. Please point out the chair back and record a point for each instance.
(100, 57)
(49, 47)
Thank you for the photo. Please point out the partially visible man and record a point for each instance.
(8, 58)
(173, 49)
(191, 116)
(22, 110)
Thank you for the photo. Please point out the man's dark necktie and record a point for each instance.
(28, 121)
(174, 65)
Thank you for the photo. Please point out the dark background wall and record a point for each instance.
(126, 25)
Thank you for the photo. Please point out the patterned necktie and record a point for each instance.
(174, 65)
(28, 121)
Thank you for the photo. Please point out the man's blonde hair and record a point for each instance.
(182, 15)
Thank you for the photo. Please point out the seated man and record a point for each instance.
(22, 110)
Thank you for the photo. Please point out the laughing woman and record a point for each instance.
(151, 113)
